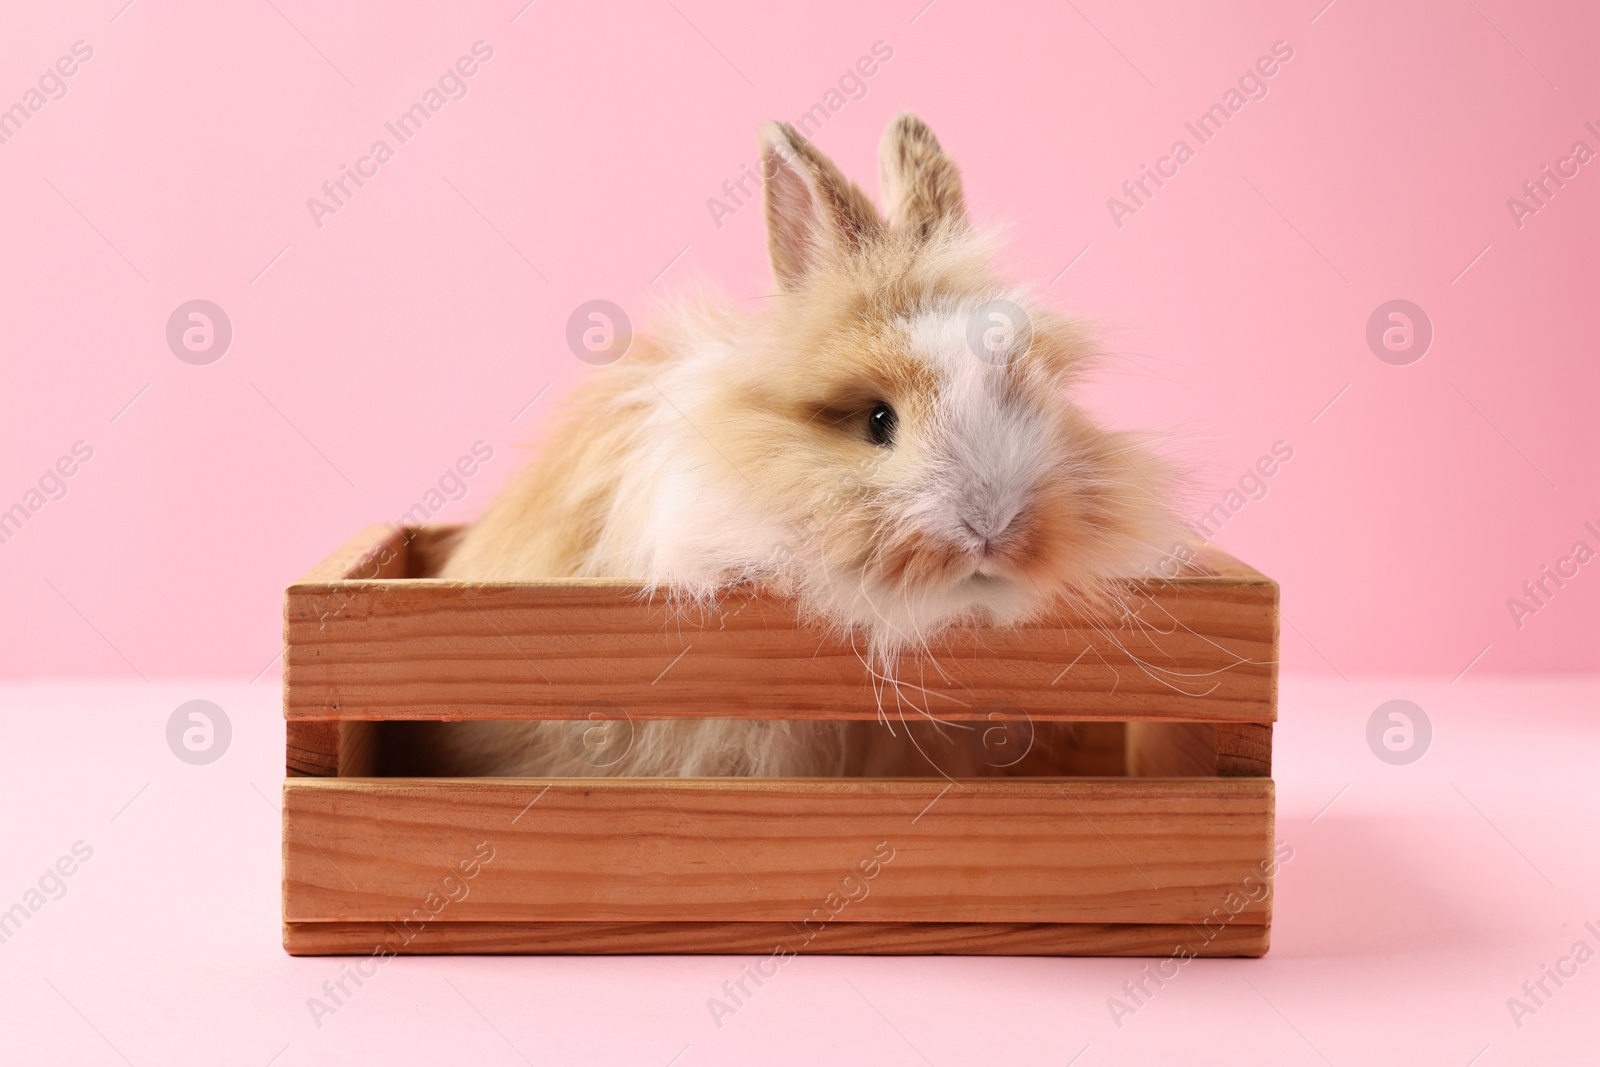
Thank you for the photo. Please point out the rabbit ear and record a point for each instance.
(814, 213)
(920, 182)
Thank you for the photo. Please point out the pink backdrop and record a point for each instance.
(374, 345)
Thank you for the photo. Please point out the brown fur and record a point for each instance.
(758, 423)
(921, 186)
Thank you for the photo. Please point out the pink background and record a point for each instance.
(370, 353)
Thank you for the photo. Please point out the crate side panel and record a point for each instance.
(1051, 850)
(1199, 651)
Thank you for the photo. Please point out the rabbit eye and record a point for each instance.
(880, 424)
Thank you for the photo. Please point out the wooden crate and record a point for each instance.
(1152, 835)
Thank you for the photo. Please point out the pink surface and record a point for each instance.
(375, 345)
(1418, 900)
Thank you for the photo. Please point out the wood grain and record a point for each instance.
(768, 938)
(1203, 649)
(990, 850)
(1244, 749)
(311, 749)
(326, 749)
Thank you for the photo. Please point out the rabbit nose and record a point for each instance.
(989, 530)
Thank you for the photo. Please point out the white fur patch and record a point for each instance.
(991, 449)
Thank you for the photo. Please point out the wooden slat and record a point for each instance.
(1203, 649)
(767, 938)
(994, 850)
(312, 749)
(1244, 749)
(375, 552)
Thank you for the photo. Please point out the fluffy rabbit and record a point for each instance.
(887, 443)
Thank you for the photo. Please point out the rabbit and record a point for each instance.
(886, 443)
